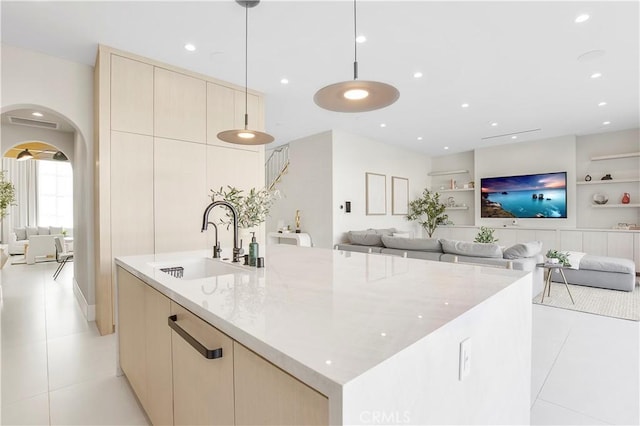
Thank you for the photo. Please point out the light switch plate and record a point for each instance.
(465, 359)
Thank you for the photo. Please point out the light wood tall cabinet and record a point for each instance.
(155, 126)
(180, 106)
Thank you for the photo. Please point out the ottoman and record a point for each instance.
(605, 272)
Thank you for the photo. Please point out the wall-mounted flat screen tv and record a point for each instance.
(528, 196)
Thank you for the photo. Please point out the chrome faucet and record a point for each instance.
(216, 245)
(237, 249)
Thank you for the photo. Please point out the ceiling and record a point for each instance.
(517, 64)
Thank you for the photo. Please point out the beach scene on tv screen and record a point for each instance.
(527, 196)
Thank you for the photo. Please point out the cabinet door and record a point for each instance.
(131, 96)
(131, 333)
(235, 167)
(571, 240)
(131, 194)
(620, 244)
(594, 243)
(180, 106)
(266, 395)
(221, 112)
(159, 401)
(180, 195)
(202, 388)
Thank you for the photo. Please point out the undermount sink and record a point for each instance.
(199, 268)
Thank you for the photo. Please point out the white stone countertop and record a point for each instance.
(325, 316)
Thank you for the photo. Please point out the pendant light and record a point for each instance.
(246, 136)
(356, 95)
(24, 155)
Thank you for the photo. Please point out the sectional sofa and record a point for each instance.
(523, 256)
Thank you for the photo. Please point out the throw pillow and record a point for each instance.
(55, 230)
(385, 231)
(529, 249)
(31, 230)
(21, 233)
(465, 248)
(43, 230)
(365, 238)
(415, 244)
(402, 234)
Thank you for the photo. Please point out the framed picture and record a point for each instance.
(376, 191)
(399, 195)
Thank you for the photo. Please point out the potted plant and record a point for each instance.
(7, 195)
(555, 256)
(485, 235)
(252, 207)
(428, 205)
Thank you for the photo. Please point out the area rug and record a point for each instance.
(599, 301)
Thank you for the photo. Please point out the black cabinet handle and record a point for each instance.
(207, 353)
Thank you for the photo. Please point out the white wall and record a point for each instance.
(588, 146)
(31, 79)
(307, 187)
(541, 156)
(353, 156)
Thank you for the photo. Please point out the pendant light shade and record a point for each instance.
(59, 156)
(24, 155)
(356, 95)
(246, 136)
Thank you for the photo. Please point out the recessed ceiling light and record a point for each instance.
(606, 123)
(328, 362)
(383, 334)
(361, 39)
(383, 125)
(36, 114)
(494, 124)
(582, 18)
(417, 74)
(446, 147)
(465, 105)
(596, 75)
(284, 81)
(602, 103)
(514, 137)
(419, 138)
(190, 47)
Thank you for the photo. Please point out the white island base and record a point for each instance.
(379, 336)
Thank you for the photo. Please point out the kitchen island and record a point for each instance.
(380, 339)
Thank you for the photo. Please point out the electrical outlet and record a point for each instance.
(465, 359)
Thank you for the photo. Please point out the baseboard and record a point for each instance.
(89, 311)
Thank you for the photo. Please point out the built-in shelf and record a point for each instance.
(448, 172)
(600, 182)
(458, 208)
(613, 206)
(455, 190)
(615, 156)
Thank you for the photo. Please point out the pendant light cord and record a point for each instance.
(355, 42)
(246, 65)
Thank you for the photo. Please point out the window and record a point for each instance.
(55, 193)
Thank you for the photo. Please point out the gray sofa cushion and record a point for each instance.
(55, 230)
(529, 249)
(384, 231)
(43, 230)
(466, 248)
(413, 254)
(21, 233)
(370, 237)
(419, 244)
(32, 230)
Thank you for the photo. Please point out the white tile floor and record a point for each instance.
(56, 369)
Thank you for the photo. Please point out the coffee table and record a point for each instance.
(550, 267)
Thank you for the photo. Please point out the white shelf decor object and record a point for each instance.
(613, 206)
(458, 208)
(616, 156)
(301, 238)
(448, 172)
(600, 182)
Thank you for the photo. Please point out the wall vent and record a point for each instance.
(33, 123)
